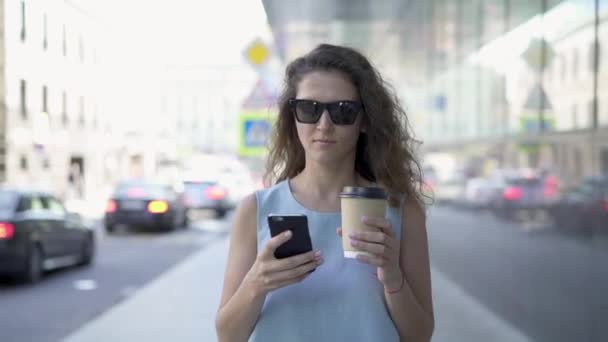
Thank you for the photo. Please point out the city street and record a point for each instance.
(537, 284)
(66, 299)
(548, 284)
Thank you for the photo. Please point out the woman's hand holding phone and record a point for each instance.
(269, 273)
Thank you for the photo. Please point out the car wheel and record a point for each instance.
(88, 250)
(109, 228)
(33, 271)
(220, 213)
(186, 221)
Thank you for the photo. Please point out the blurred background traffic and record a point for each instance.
(130, 130)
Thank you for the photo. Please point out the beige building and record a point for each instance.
(57, 131)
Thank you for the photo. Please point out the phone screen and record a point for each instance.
(300, 241)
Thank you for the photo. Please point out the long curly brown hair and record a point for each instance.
(385, 151)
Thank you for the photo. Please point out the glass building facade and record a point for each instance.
(493, 86)
(514, 83)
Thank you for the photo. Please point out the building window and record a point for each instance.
(81, 49)
(64, 108)
(22, 31)
(574, 65)
(23, 163)
(45, 37)
(45, 99)
(46, 164)
(23, 98)
(592, 56)
(81, 111)
(563, 70)
(64, 44)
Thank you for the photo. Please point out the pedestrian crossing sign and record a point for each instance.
(255, 128)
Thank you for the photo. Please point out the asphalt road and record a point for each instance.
(66, 299)
(549, 284)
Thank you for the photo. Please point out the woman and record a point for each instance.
(338, 125)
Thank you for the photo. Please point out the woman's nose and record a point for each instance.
(325, 121)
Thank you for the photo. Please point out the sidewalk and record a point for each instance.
(181, 304)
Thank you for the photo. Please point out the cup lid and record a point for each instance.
(363, 192)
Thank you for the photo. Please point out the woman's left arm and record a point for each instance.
(404, 269)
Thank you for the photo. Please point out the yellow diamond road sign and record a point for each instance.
(257, 53)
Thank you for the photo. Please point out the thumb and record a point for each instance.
(339, 231)
(276, 241)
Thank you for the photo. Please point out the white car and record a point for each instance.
(478, 193)
(450, 191)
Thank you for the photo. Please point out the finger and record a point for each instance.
(295, 261)
(379, 222)
(296, 272)
(374, 248)
(339, 231)
(372, 260)
(375, 237)
(275, 242)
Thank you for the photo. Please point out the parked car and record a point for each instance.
(450, 191)
(478, 192)
(583, 207)
(207, 195)
(37, 234)
(517, 191)
(147, 204)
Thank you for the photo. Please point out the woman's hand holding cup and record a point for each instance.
(381, 250)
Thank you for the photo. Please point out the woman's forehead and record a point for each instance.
(326, 86)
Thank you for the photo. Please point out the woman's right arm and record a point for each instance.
(249, 276)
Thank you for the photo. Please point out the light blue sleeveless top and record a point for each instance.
(342, 300)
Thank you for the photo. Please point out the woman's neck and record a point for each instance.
(325, 183)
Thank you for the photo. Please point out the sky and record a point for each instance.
(186, 32)
(142, 37)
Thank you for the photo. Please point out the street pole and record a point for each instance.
(596, 64)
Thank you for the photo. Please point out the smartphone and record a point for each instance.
(300, 241)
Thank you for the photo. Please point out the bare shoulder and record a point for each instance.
(414, 211)
(244, 225)
(243, 246)
(247, 208)
(415, 252)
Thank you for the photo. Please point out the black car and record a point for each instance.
(38, 234)
(583, 207)
(207, 195)
(146, 204)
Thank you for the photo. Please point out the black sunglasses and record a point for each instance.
(340, 112)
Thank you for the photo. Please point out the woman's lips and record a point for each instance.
(324, 141)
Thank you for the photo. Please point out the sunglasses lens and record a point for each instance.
(344, 113)
(307, 111)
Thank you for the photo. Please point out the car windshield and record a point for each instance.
(525, 181)
(191, 187)
(7, 200)
(142, 190)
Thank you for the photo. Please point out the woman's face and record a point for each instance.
(325, 141)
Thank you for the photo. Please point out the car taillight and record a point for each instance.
(158, 207)
(111, 206)
(215, 193)
(512, 193)
(7, 230)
